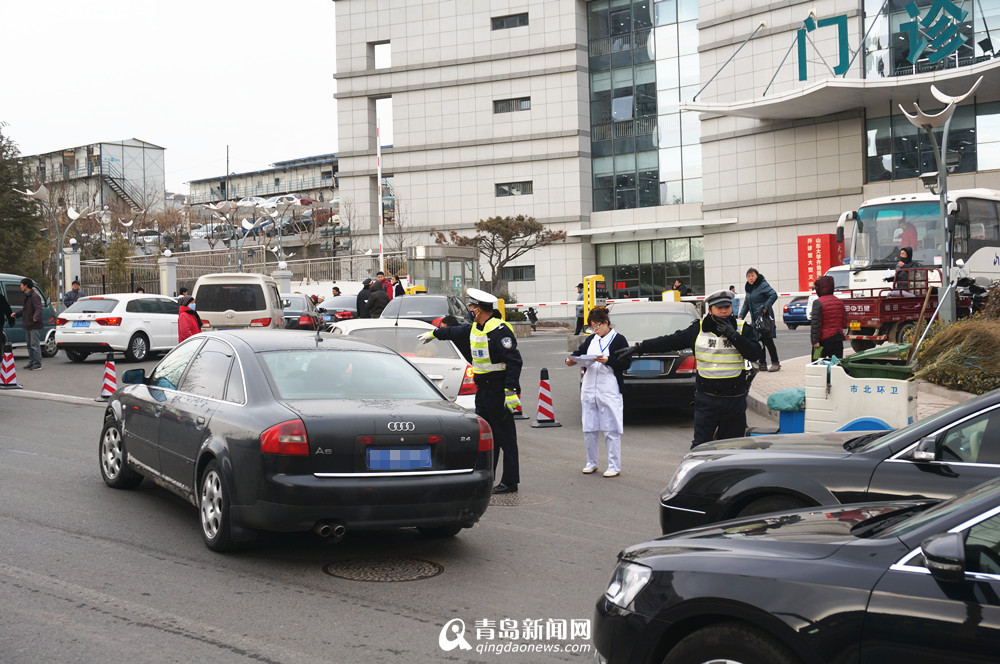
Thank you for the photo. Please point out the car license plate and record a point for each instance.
(81, 323)
(854, 325)
(646, 368)
(327, 318)
(399, 458)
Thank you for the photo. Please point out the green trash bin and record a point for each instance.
(885, 361)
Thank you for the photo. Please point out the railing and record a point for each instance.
(236, 191)
(623, 129)
(619, 43)
(113, 172)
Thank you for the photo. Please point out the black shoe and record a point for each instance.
(34, 367)
(503, 488)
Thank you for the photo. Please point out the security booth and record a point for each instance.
(443, 269)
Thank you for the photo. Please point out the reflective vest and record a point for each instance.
(480, 344)
(717, 357)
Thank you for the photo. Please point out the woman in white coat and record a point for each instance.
(601, 391)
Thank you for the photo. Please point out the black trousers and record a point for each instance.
(491, 407)
(579, 325)
(769, 346)
(717, 418)
(832, 347)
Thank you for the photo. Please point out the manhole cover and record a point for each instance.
(517, 500)
(383, 569)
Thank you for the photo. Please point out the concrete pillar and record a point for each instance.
(71, 266)
(168, 275)
(284, 279)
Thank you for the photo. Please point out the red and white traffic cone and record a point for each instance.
(8, 375)
(546, 413)
(109, 384)
(518, 413)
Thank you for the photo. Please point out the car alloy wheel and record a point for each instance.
(114, 470)
(138, 348)
(214, 509)
(49, 347)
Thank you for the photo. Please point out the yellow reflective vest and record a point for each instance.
(716, 355)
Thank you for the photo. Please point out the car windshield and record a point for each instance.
(641, 325)
(416, 305)
(941, 511)
(340, 302)
(295, 302)
(92, 306)
(238, 297)
(335, 374)
(905, 435)
(404, 341)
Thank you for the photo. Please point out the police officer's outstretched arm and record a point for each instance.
(453, 333)
(680, 339)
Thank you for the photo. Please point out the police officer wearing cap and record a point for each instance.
(726, 351)
(496, 365)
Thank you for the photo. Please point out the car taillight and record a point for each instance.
(468, 382)
(437, 321)
(305, 321)
(786, 309)
(366, 440)
(113, 321)
(260, 322)
(434, 439)
(61, 321)
(485, 436)
(344, 315)
(285, 438)
(688, 366)
(205, 323)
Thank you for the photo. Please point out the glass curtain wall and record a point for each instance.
(648, 267)
(643, 61)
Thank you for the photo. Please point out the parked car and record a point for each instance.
(11, 284)
(657, 379)
(841, 282)
(425, 307)
(274, 430)
(300, 313)
(903, 581)
(794, 313)
(235, 300)
(441, 361)
(136, 324)
(338, 307)
(936, 458)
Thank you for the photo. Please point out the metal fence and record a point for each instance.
(143, 271)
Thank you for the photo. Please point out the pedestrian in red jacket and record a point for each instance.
(188, 320)
(827, 320)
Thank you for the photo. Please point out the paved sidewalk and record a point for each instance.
(930, 398)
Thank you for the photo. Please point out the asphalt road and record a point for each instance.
(90, 574)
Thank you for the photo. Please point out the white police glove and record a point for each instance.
(426, 337)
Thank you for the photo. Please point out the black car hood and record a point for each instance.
(805, 534)
(811, 443)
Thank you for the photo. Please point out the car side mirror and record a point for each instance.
(926, 449)
(945, 556)
(134, 377)
(285, 303)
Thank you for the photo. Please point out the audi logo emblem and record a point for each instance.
(402, 426)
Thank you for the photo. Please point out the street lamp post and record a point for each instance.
(929, 123)
(41, 195)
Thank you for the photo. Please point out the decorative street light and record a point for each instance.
(42, 196)
(929, 123)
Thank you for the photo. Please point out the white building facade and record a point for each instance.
(669, 139)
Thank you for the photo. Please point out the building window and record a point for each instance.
(379, 55)
(518, 273)
(381, 108)
(511, 105)
(514, 188)
(509, 21)
(326, 175)
(896, 150)
(648, 267)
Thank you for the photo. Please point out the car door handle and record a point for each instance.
(157, 410)
(199, 422)
(435, 376)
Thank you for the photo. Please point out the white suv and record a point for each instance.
(134, 323)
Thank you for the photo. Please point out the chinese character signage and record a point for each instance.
(817, 254)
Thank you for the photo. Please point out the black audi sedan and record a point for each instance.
(937, 457)
(902, 581)
(293, 431)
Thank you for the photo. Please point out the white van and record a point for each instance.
(238, 300)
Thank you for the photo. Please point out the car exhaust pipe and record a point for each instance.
(323, 529)
(339, 530)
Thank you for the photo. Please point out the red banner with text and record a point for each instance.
(817, 254)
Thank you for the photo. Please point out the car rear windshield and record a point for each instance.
(238, 297)
(334, 374)
(295, 302)
(340, 302)
(85, 306)
(642, 325)
(404, 341)
(416, 305)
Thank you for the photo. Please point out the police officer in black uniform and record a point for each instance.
(727, 352)
(496, 365)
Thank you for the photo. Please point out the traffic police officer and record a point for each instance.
(496, 365)
(726, 351)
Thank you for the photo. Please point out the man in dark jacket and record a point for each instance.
(31, 321)
(72, 295)
(362, 302)
(496, 364)
(725, 349)
(378, 300)
(827, 320)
